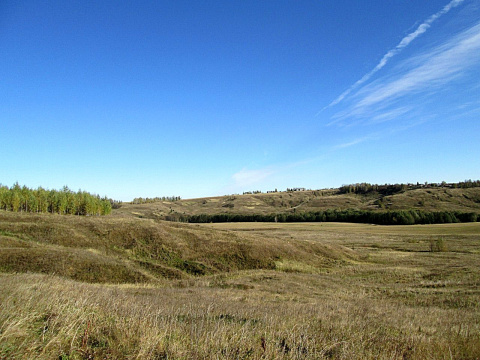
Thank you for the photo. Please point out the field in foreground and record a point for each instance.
(333, 291)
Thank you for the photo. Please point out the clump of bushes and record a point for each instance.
(438, 245)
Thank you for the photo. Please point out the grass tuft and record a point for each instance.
(438, 245)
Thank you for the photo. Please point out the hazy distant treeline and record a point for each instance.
(391, 189)
(23, 199)
(402, 217)
(141, 200)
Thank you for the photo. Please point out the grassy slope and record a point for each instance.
(428, 199)
(109, 249)
(390, 297)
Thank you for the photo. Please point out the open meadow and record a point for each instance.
(240, 180)
(236, 290)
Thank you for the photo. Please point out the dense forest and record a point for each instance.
(23, 199)
(402, 217)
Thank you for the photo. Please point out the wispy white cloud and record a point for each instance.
(270, 176)
(465, 112)
(401, 45)
(432, 70)
(387, 132)
(351, 143)
(380, 115)
(390, 115)
(247, 177)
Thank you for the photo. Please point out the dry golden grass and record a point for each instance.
(116, 250)
(426, 199)
(335, 291)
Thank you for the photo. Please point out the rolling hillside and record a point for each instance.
(116, 250)
(426, 199)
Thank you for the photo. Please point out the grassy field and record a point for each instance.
(126, 288)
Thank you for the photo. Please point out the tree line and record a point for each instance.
(401, 217)
(141, 200)
(391, 189)
(23, 199)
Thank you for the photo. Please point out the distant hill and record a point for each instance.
(430, 198)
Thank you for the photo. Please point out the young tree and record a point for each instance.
(4, 192)
(42, 199)
(52, 199)
(106, 206)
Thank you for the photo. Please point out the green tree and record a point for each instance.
(52, 199)
(106, 206)
(42, 199)
(25, 195)
(4, 193)
(15, 201)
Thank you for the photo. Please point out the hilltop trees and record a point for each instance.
(141, 200)
(365, 188)
(391, 189)
(65, 201)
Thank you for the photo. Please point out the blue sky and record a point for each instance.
(204, 98)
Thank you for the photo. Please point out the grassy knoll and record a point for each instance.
(267, 291)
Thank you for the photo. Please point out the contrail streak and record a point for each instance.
(401, 45)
